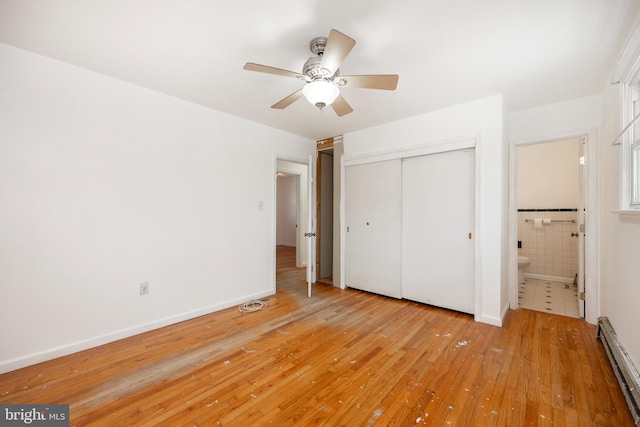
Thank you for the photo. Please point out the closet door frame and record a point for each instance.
(440, 147)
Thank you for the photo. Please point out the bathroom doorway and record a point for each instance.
(550, 210)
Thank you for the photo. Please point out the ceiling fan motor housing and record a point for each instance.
(317, 45)
(311, 67)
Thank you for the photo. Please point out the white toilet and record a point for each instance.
(523, 262)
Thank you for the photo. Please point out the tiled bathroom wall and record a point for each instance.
(551, 249)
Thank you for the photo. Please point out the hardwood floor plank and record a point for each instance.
(342, 357)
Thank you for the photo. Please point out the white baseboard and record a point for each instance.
(505, 310)
(490, 320)
(495, 321)
(64, 350)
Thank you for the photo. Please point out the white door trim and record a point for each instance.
(433, 147)
(592, 231)
(302, 225)
(417, 150)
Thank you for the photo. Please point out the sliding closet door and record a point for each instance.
(373, 219)
(438, 211)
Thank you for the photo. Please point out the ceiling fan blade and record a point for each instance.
(284, 103)
(377, 81)
(272, 70)
(341, 106)
(337, 48)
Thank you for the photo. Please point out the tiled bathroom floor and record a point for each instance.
(551, 297)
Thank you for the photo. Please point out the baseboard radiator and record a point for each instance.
(623, 367)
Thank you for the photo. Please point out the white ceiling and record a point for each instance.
(534, 52)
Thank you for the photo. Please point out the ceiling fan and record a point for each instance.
(322, 77)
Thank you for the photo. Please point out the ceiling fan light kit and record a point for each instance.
(321, 93)
(321, 75)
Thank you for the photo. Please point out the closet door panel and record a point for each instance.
(374, 232)
(438, 217)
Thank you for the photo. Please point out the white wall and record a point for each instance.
(104, 185)
(555, 121)
(571, 118)
(483, 120)
(286, 210)
(547, 175)
(620, 238)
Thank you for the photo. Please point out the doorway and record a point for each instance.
(329, 212)
(324, 216)
(287, 219)
(550, 211)
(290, 214)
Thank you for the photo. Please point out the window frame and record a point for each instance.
(634, 170)
(630, 143)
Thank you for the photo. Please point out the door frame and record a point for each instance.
(302, 204)
(434, 147)
(323, 232)
(590, 234)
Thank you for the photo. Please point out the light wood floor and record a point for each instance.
(285, 258)
(341, 358)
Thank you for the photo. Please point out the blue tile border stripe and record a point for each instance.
(547, 210)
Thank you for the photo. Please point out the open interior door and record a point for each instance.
(311, 231)
(581, 224)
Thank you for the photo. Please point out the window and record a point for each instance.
(635, 173)
(630, 145)
(627, 74)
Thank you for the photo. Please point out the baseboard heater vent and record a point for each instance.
(623, 367)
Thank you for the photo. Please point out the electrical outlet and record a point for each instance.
(144, 288)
